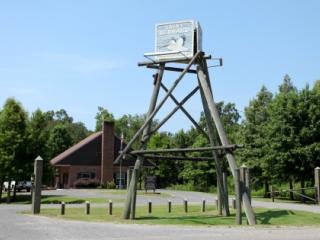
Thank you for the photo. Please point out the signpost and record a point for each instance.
(150, 183)
(181, 43)
(177, 40)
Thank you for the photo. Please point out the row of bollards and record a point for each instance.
(87, 208)
(185, 204)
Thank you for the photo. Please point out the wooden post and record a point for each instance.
(203, 77)
(243, 170)
(87, 208)
(129, 171)
(225, 186)
(317, 183)
(36, 196)
(62, 210)
(217, 204)
(185, 205)
(219, 201)
(149, 207)
(238, 196)
(169, 206)
(110, 207)
(203, 208)
(134, 192)
(247, 183)
(130, 204)
(214, 142)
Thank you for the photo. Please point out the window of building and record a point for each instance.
(86, 175)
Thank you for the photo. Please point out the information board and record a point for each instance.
(177, 40)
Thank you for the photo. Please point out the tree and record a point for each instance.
(77, 131)
(101, 116)
(59, 140)
(12, 141)
(62, 116)
(253, 135)
(165, 169)
(128, 125)
(293, 134)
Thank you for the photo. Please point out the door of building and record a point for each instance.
(65, 180)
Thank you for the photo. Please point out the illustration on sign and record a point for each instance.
(177, 39)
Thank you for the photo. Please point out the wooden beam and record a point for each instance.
(183, 60)
(172, 69)
(182, 158)
(175, 150)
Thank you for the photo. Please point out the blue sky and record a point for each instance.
(78, 55)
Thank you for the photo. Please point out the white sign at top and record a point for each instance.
(177, 40)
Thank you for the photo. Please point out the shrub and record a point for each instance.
(108, 185)
(86, 183)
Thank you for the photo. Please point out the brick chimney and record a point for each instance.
(107, 152)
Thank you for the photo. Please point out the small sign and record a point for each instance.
(150, 183)
(177, 40)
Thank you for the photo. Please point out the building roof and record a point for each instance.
(56, 160)
(88, 152)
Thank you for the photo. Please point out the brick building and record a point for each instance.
(92, 160)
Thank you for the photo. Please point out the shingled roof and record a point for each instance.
(88, 152)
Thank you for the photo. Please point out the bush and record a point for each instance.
(108, 185)
(192, 187)
(86, 183)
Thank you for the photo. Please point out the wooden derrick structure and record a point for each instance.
(196, 65)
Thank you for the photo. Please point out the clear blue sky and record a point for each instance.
(78, 55)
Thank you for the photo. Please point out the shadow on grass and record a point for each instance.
(266, 216)
(194, 220)
(45, 199)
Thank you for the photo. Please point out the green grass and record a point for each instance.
(279, 200)
(57, 199)
(194, 216)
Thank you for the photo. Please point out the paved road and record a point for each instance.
(16, 226)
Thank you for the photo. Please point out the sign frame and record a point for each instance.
(170, 54)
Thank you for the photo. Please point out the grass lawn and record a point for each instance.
(280, 200)
(194, 216)
(56, 199)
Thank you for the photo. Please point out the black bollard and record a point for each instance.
(149, 207)
(110, 207)
(203, 208)
(185, 205)
(87, 209)
(62, 210)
